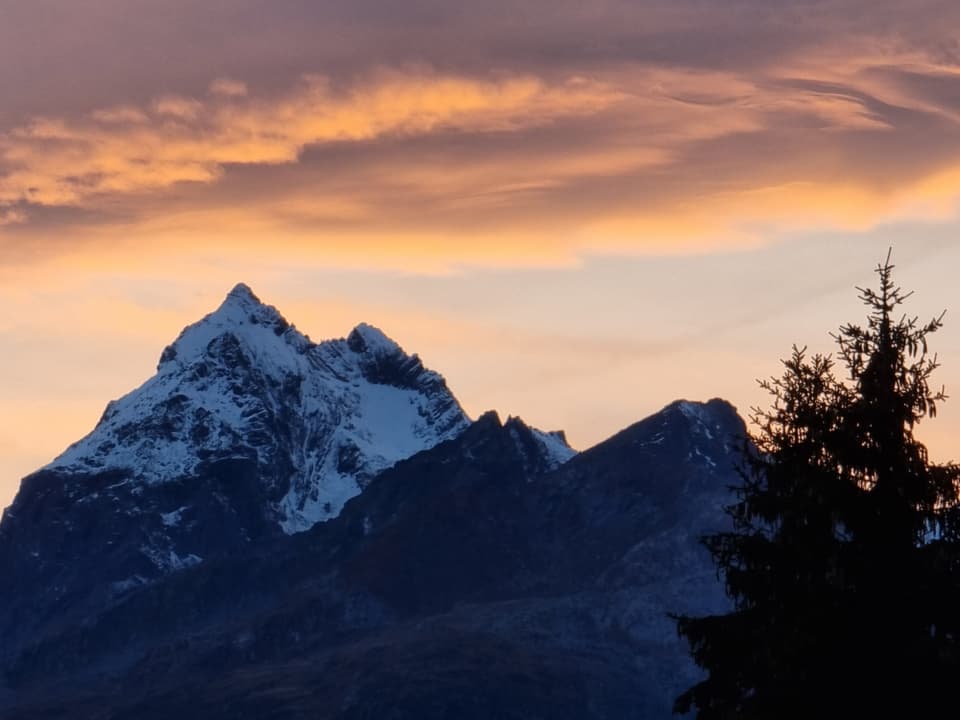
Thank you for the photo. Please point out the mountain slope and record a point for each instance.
(468, 581)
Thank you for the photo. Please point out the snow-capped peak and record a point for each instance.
(318, 421)
(242, 293)
(544, 451)
(242, 316)
(371, 340)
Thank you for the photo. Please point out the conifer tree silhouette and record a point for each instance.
(843, 563)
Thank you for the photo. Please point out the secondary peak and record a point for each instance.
(369, 339)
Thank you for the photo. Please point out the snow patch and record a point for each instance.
(555, 447)
(544, 451)
(705, 458)
(168, 560)
(130, 583)
(172, 519)
(698, 413)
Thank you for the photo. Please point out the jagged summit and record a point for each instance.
(368, 339)
(543, 451)
(241, 304)
(242, 293)
(245, 318)
(317, 420)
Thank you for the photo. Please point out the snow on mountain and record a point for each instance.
(555, 447)
(542, 451)
(249, 431)
(320, 420)
(547, 593)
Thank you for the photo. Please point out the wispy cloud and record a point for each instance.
(58, 161)
(490, 134)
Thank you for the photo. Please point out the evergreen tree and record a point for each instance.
(843, 563)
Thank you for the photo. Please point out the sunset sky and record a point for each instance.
(577, 211)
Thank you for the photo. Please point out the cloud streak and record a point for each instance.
(129, 149)
(504, 133)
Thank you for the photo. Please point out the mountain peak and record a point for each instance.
(241, 315)
(543, 450)
(242, 292)
(241, 306)
(710, 413)
(384, 362)
(369, 339)
(315, 422)
(241, 301)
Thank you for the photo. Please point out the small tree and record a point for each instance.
(843, 559)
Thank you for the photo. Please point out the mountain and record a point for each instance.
(248, 432)
(315, 421)
(475, 579)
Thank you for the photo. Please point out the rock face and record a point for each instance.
(248, 432)
(475, 579)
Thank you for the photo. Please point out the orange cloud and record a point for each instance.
(428, 172)
(62, 162)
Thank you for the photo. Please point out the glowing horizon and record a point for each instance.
(569, 210)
